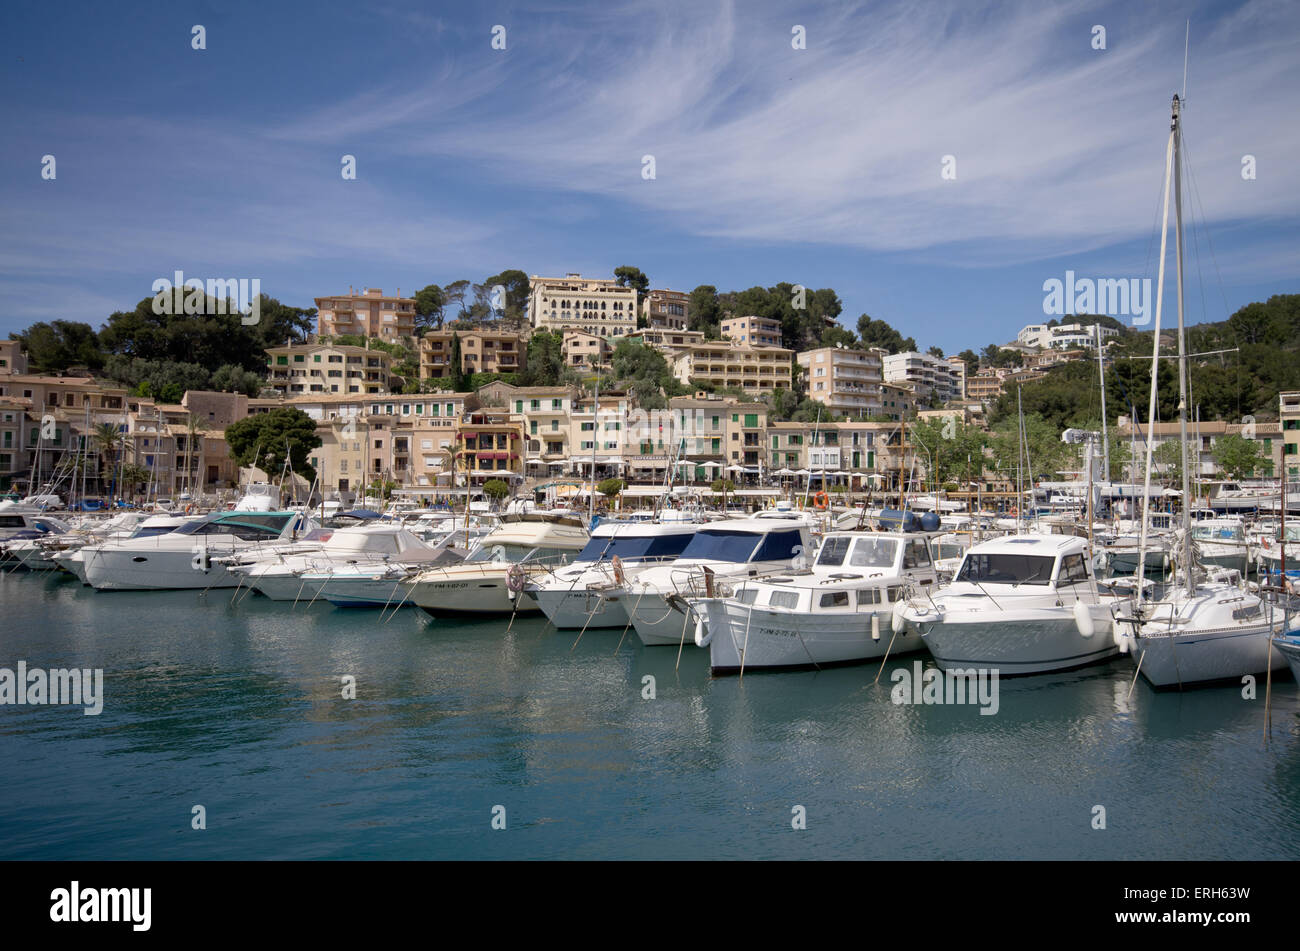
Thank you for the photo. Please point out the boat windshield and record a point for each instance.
(247, 525)
(721, 545)
(989, 568)
(517, 553)
(635, 548)
(874, 552)
(1217, 532)
(867, 551)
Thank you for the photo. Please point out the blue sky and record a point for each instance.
(818, 166)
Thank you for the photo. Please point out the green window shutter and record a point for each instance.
(751, 420)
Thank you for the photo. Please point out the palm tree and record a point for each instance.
(107, 439)
(193, 432)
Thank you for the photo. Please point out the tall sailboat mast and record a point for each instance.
(1182, 347)
(1105, 440)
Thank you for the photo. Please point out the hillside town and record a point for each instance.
(386, 435)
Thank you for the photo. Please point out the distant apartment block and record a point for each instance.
(666, 340)
(371, 314)
(599, 307)
(926, 375)
(666, 310)
(583, 350)
(1064, 336)
(325, 368)
(481, 351)
(1289, 417)
(845, 381)
(752, 331)
(729, 364)
(12, 358)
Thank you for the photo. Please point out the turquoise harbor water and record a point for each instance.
(238, 708)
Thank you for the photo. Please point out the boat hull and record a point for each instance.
(567, 609)
(1206, 657)
(1034, 642)
(758, 639)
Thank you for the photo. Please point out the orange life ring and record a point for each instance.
(821, 500)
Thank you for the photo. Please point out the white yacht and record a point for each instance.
(139, 525)
(1024, 604)
(298, 575)
(189, 557)
(838, 612)
(572, 596)
(727, 551)
(491, 579)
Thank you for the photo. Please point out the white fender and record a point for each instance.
(703, 633)
(1083, 619)
(896, 618)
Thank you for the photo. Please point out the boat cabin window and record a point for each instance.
(1073, 570)
(896, 593)
(720, 545)
(635, 548)
(784, 599)
(916, 555)
(835, 599)
(247, 526)
(747, 595)
(868, 596)
(871, 552)
(1006, 568)
(11, 521)
(833, 551)
(780, 546)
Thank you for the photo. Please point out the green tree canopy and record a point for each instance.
(1238, 457)
(496, 489)
(263, 440)
(878, 333)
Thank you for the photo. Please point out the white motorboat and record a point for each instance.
(1222, 542)
(727, 551)
(490, 581)
(190, 556)
(838, 612)
(295, 575)
(1024, 604)
(573, 596)
(73, 558)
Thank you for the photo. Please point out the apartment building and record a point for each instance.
(985, 386)
(1289, 441)
(926, 375)
(12, 358)
(369, 314)
(845, 381)
(897, 402)
(585, 351)
(326, 368)
(1076, 336)
(729, 364)
(751, 331)
(597, 306)
(666, 340)
(481, 351)
(666, 310)
(1201, 438)
(545, 412)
